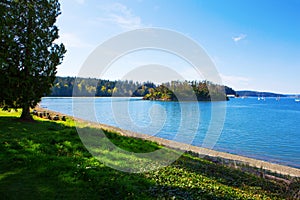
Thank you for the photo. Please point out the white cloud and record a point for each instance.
(237, 82)
(72, 40)
(239, 38)
(120, 15)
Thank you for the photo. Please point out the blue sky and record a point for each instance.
(254, 44)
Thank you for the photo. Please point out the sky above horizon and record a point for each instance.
(255, 45)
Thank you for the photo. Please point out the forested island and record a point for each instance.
(171, 91)
(189, 91)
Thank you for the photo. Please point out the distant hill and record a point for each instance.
(256, 94)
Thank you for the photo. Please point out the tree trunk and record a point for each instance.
(26, 114)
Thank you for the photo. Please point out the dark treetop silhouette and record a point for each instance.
(29, 56)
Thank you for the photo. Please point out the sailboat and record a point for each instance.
(258, 98)
(297, 99)
(261, 98)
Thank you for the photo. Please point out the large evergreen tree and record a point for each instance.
(28, 54)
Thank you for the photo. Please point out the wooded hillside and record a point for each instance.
(172, 91)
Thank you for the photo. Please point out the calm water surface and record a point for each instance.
(267, 130)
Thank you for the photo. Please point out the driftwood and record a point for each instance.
(56, 117)
(48, 115)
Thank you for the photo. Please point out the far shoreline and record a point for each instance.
(199, 151)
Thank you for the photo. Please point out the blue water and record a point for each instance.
(267, 130)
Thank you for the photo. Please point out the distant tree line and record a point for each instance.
(63, 87)
(171, 91)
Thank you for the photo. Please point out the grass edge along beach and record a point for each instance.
(46, 159)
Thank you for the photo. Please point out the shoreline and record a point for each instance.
(199, 151)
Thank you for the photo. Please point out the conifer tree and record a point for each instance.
(29, 55)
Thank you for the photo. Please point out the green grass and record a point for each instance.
(47, 160)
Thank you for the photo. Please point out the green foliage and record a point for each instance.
(131, 144)
(29, 56)
(64, 86)
(172, 91)
(189, 91)
(46, 160)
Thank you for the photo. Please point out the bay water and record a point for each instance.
(263, 129)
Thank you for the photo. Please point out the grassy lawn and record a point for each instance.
(47, 160)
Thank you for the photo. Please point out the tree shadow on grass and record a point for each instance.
(47, 160)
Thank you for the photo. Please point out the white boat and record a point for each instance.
(261, 98)
(297, 100)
